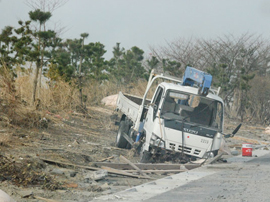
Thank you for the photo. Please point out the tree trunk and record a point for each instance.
(35, 83)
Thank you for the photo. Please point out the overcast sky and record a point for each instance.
(149, 22)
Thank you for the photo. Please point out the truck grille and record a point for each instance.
(188, 150)
(197, 152)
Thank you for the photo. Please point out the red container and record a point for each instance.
(247, 149)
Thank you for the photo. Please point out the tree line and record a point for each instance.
(239, 65)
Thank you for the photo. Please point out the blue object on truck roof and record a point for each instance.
(202, 79)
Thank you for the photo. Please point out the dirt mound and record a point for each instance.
(110, 100)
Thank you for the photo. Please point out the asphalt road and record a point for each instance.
(241, 179)
(248, 181)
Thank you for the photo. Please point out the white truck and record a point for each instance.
(183, 119)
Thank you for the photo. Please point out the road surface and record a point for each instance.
(241, 179)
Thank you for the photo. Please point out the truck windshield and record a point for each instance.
(195, 109)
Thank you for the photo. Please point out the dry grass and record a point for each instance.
(53, 98)
(96, 91)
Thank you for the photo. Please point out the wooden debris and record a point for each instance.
(147, 166)
(71, 185)
(69, 164)
(217, 157)
(132, 165)
(97, 175)
(156, 171)
(120, 172)
(45, 199)
(113, 171)
(53, 149)
(105, 159)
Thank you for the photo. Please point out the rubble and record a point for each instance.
(267, 130)
(96, 175)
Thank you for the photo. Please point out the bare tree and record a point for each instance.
(45, 5)
(233, 61)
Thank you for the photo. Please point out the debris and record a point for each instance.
(73, 174)
(71, 185)
(120, 172)
(217, 157)
(105, 186)
(267, 130)
(45, 199)
(97, 175)
(53, 149)
(75, 142)
(68, 164)
(147, 166)
(96, 188)
(234, 152)
(157, 171)
(105, 159)
(57, 171)
(25, 173)
(25, 194)
(132, 165)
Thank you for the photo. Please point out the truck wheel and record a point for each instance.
(121, 142)
(145, 156)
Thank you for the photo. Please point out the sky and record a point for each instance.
(145, 23)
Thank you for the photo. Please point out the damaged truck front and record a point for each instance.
(183, 120)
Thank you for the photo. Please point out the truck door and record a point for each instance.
(156, 101)
(153, 112)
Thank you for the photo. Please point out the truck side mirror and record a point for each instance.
(236, 129)
(234, 132)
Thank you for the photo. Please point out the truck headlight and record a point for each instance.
(157, 141)
(208, 155)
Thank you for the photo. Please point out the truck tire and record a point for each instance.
(121, 142)
(145, 156)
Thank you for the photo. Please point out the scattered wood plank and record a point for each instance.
(105, 159)
(113, 171)
(145, 166)
(53, 149)
(69, 164)
(45, 199)
(156, 171)
(71, 185)
(120, 172)
(132, 165)
(217, 157)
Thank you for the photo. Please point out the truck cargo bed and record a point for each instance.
(129, 105)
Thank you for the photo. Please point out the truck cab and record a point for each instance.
(180, 120)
